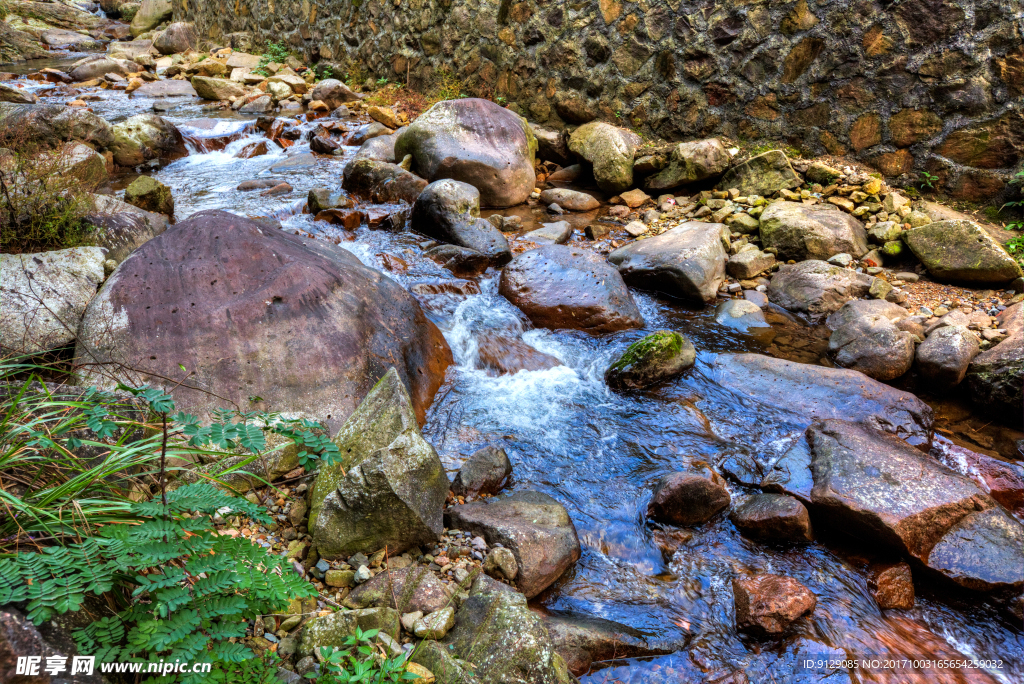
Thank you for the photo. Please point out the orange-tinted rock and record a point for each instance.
(349, 219)
(876, 43)
(462, 288)
(894, 163)
(253, 150)
(767, 604)
(866, 132)
(800, 58)
(998, 144)
(910, 126)
(893, 587)
(507, 355)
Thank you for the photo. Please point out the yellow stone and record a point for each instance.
(610, 10)
(872, 187)
(507, 36)
(424, 676)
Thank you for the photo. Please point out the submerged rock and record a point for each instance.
(893, 587)
(610, 151)
(656, 358)
(687, 499)
(741, 314)
(583, 639)
(535, 527)
(449, 210)
(773, 517)
(766, 605)
(961, 251)
(817, 231)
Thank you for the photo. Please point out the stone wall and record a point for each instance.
(906, 85)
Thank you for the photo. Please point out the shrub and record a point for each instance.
(275, 52)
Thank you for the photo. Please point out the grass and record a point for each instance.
(275, 53)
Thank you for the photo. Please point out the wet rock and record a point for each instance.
(507, 355)
(461, 261)
(587, 639)
(477, 142)
(157, 312)
(210, 88)
(687, 262)
(178, 37)
(487, 471)
(773, 517)
(766, 605)
(741, 315)
(610, 151)
(43, 297)
(961, 251)
(260, 184)
(873, 345)
(762, 175)
(449, 210)
(436, 625)
(332, 630)
(506, 641)
(16, 95)
(573, 200)
(333, 93)
(259, 105)
(150, 194)
(552, 145)
(324, 144)
(70, 40)
(144, 137)
(98, 68)
(893, 587)
(501, 563)
(407, 590)
(816, 231)
(167, 88)
(562, 287)
(550, 233)
(368, 132)
(389, 487)
(654, 359)
(747, 265)
(984, 551)
(995, 378)
(943, 358)
(151, 14)
(691, 162)
(382, 182)
(320, 199)
(816, 288)
(381, 148)
(535, 527)
(688, 499)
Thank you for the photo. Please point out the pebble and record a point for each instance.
(363, 574)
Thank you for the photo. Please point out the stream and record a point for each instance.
(599, 453)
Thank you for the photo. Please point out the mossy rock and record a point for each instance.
(150, 194)
(332, 630)
(652, 360)
(961, 251)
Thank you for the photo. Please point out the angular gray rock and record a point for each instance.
(449, 210)
(407, 590)
(995, 378)
(762, 175)
(332, 630)
(943, 358)
(873, 345)
(689, 498)
(178, 37)
(816, 288)
(381, 181)
(691, 162)
(817, 231)
(123, 232)
(556, 233)
(773, 517)
(486, 471)
(687, 262)
(583, 639)
(388, 489)
(535, 527)
(609, 150)
(749, 264)
(984, 551)
(858, 308)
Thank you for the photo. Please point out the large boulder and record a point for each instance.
(763, 175)
(533, 526)
(18, 46)
(449, 210)
(961, 251)
(504, 641)
(130, 50)
(389, 487)
(773, 517)
(50, 125)
(407, 590)
(873, 485)
(563, 287)
(858, 308)
(232, 318)
(146, 136)
(995, 378)
(610, 150)
(943, 358)
(691, 162)
(379, 148)
(178, 37)
(687, 262)
(333, 93)
(81, 162)
(873, 345)
(380, 181)
(151, 14)
(44, 296)
(815, 231)
(78, 42)
(656, 358)
(210, 88)
(474, 141)
(816, 288)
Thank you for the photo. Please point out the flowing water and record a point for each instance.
(599, 453)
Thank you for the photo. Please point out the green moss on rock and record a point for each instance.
(654, 359)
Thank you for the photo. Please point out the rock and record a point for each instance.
(260, 105)
(98, 68)
(506, 642)
(332, 630)
(573, 200)
(242, 60)
(691, 162)
(324, 144)
(151, 14)
(487, 471)
(477, 142)
(634, 198)
(209, 88)
(636, 228)
(801, 231)
(59, 38)
(984, 551)
(858, 308)
(123, 232)
(687, 262)
(295, 83)
(995, 378)
(131, 50)
(436, 625)
(449, 210)
(178, 37)
(501, 563)
(382, 182)
(407, 590)
(885, 231)
(773, 517)
(873, 345)
(894, 588)
(823, 174)
(961, 251)
(49, 126)
(533, 526)
(43, 297)
(552, 145)
(741, 315)
(550, 233)
(768, 604)
(165, 89)
(81, 163)
(333, 93)
(340, 578)
(762, 175)
(599, 640)
(563, 287)
(320, 199)
(688, 499)
(432, 657)
(943, 358)
(747, 265)
(323, 379)
(144, 137)
(381, 148)
(389, 487)
(506, 355)
(654, 359)
(150, 194)
(610, 151)
(816, 288)
(16, 95)
(461, 261)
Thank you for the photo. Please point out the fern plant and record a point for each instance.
(188, 592)
(361, 661)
